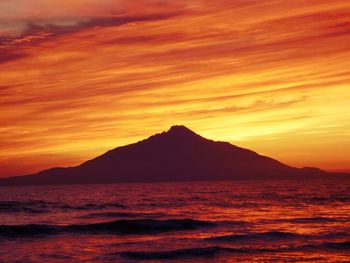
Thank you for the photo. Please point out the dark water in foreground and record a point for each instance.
(184, 222)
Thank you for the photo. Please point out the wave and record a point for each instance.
(137, 226)
(264, 236)
(206, 252)
(91, 206)
(307, 220)
(340, 198)
(39, 206)
(336, 245)
(121, 215)
(141, 226)
(173, 254)
(323, 246)
(272, 236)
(28, 206)
(27, 230)
(310, 220)
(345, 245)
(213, 251)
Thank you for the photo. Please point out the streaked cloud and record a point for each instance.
(78, 79)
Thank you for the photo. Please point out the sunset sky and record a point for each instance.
(78, 78)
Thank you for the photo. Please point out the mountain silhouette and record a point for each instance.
(176, 155)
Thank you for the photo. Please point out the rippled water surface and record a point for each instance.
(246, 221)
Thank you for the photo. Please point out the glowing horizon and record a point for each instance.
(78, 79)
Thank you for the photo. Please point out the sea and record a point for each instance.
(241, 221)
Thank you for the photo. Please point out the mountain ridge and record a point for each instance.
(178, 154)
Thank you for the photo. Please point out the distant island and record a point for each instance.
(176, 155)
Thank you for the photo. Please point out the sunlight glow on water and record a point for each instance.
(229, 221)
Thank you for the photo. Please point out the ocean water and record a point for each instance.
(245, 221)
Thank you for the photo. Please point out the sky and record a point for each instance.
(78, 78)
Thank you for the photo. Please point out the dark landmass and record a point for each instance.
(176, 155)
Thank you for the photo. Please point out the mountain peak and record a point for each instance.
(180, 130)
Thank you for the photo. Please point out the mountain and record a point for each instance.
(176, 155)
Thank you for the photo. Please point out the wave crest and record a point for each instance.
(137, 226)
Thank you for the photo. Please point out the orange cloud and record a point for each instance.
(21, 17)
(268, 75)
